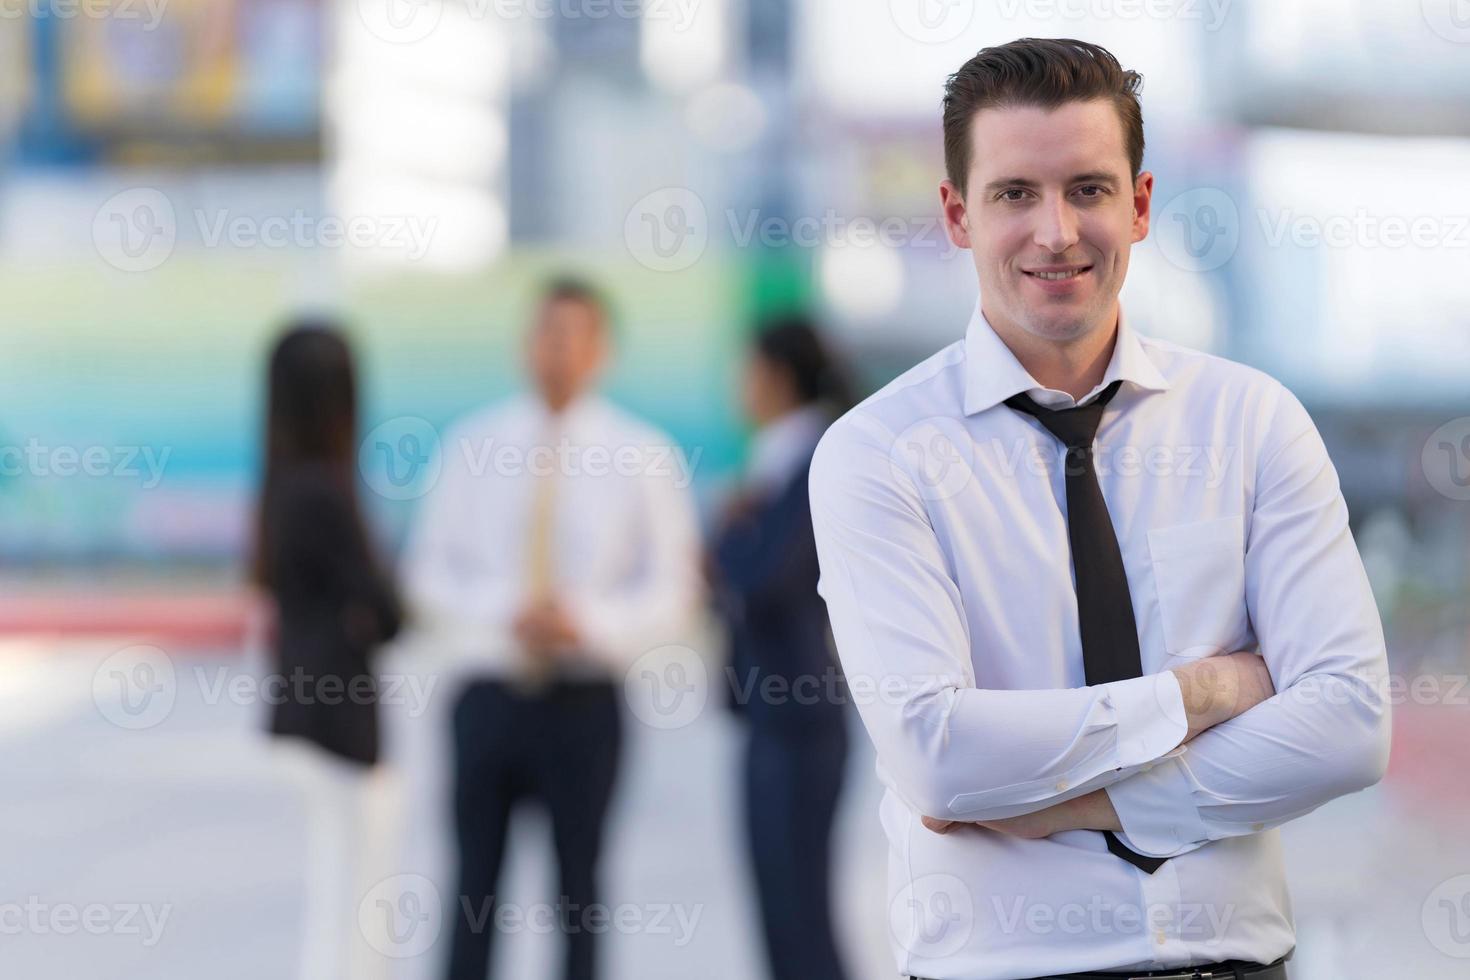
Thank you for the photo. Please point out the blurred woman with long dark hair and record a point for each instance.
(764, 567)
(333, 608)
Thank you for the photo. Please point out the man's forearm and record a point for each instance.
(1323, 737)
(1090, 811)
(1214, 690)
(1217, 689)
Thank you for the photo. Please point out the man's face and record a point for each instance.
(1049, 191)
(566, 349)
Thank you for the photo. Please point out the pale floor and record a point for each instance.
(196, 816)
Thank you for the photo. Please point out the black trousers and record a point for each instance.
(558, 748)
(792, 782)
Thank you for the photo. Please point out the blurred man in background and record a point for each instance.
(558, 545)
(1058, 632)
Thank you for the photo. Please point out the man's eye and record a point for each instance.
(1011, 190)
(1093, 187)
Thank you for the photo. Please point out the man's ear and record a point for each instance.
(956, 215)
(1143, 192)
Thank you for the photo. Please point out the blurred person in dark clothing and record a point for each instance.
(557, 546)
(313, 553)
(783, 677)
(334, 606)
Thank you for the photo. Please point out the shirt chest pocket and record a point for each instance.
(1199, 574)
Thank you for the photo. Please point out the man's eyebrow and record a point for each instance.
(1091, 176)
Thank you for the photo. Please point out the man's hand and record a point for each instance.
(1217, 689)
(1091, 811)
(546, 629)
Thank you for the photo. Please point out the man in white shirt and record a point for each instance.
(558, 545)
(1054, 499)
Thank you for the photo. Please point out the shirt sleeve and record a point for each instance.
(446, 583)
(655, 604)
(1326, 731)
(950, 749)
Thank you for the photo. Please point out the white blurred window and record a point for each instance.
(1358, 248)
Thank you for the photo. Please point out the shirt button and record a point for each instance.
(1061, 785)
(1159, 936)
(1258, 826)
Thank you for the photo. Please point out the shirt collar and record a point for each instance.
(993, 374)
(572, 418)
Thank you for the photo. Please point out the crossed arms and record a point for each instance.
(959, 753)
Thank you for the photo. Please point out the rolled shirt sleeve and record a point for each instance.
(950, 749)
(1326, 731)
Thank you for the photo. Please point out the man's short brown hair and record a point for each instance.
(1037, 72)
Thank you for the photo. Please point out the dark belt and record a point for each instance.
(1228, 970)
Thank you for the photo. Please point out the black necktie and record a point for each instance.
(1104, 605)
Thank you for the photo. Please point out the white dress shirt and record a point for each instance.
(940, 518)
(625, 546)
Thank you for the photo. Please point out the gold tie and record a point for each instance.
(540, 560)
(541, 534)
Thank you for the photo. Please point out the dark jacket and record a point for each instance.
(766, 571)
(334, 607)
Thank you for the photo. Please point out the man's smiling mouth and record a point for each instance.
(1057, 275)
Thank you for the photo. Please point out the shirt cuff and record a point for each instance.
(1149, 713)
(1156, 808)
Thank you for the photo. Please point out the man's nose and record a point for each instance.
(1056, 226)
